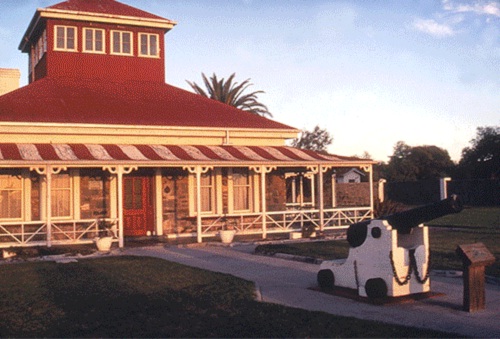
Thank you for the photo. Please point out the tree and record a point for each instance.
(482, 159)
(231, 93)
(316, 140)
(417, 163)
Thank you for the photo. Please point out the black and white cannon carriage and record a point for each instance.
(388, 256)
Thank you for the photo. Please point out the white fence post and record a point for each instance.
(381, 190)
(443, 187)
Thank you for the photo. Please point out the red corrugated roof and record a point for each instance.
(109, 7)
(51, 100)
(165, 154)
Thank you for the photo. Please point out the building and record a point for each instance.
(98, 138)
(349, 175)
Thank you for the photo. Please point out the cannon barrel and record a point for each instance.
(403, 222)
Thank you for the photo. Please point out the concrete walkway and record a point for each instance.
(287, 282)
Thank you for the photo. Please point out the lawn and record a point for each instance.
(470, 226)
(147, 297)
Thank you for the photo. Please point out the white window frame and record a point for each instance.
(215, 196)
(148, 54)
(93, 49)
(298, 190)
(122, 33)
(22, 199)
(65, 47)
(74, 195)
(253, 194)
(53, 193)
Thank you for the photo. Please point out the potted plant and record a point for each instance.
(106, 234)
(227, 233)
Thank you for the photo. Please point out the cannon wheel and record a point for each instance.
(376, 288)
(326, 279)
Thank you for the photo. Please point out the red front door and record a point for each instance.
(138, 206)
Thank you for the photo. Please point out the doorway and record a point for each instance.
(138, 205)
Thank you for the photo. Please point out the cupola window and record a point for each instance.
(65, 38)
(148, 45)
(94, 40)
(122, 43)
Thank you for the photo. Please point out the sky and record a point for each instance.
(372, 73)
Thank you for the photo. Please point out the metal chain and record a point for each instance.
(411, 267)
(417, 274)
(395, 274)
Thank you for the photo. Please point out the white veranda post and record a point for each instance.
(198, 171)
(321, 200)
(263, 170)
(369, 169)
(119, 171)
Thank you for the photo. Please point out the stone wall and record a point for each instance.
(175, 191)
(275, 192)
(94, 194)
(353, 194)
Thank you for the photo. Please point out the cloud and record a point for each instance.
(432, 27)
(478, 7)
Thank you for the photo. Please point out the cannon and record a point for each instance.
(388, 256)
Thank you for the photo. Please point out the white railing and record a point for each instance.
(34, 233)
(285, 221)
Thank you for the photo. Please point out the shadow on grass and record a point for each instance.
(147, 297)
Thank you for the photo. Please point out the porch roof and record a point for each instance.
(28, 154)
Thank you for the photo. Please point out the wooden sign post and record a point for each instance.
(474, 258)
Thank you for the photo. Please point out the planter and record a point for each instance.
(104, 244)
(227, 236)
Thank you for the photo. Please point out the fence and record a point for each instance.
(477, 192)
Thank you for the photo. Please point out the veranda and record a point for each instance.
(68, 203)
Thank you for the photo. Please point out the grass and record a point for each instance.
(148, 297)
(470, 226)
(475, 218)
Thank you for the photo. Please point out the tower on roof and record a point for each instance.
(96, 39)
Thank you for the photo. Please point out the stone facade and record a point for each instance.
(94, 194)
(275, 192)
(175, 192)
(353, 194)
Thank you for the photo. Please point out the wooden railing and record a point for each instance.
(285, 221)
(34, 233)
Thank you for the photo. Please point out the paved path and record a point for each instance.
(287, 282)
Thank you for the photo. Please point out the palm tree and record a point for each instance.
(232, 94)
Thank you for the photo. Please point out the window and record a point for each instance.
(121, 43)
(61, 195)
(299, 189)
(65, 38)
(93, 40)
(40, 47)
(207, 193)
(243, 192)
(148, 45)
(210, 192)
(11, 196)
(241, 189)
(38, 51)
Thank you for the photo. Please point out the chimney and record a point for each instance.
(9, 80)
